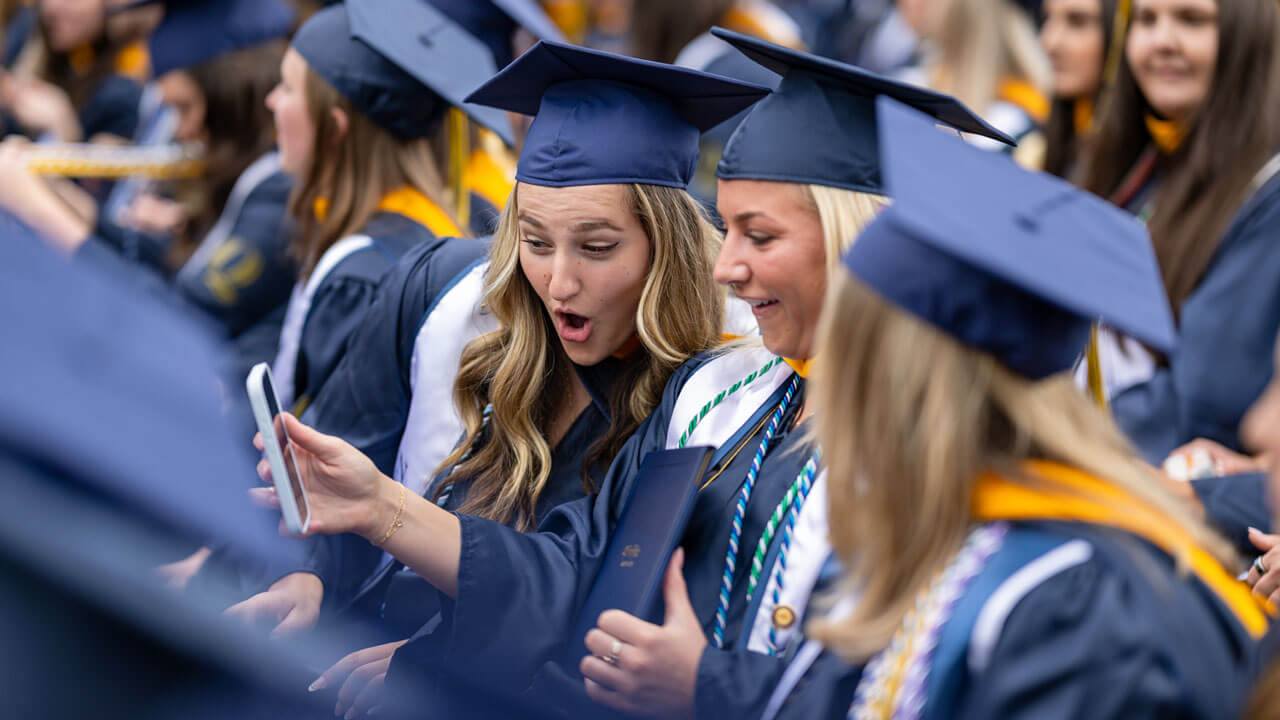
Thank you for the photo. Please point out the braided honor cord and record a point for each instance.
(744, 497)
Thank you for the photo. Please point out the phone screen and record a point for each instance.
(295, 482)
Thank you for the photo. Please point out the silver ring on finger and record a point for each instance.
(612, 656)
(1260, 566)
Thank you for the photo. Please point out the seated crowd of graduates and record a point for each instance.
(972, 300)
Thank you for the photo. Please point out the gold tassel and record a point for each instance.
(1094, 370)
(459, 154)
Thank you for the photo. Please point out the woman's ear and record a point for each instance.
(340, 123)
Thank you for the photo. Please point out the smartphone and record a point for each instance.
(277, 449)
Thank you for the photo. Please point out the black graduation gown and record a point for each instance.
(1118, 634)
(518, 594)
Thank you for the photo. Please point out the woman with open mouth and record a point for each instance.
(548, 353)
(521, 592)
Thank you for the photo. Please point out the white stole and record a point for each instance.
(726, 419)
(283, 370)
(434, 427)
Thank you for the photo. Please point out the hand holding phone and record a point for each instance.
(278, 449)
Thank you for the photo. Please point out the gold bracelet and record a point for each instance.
(396, 523)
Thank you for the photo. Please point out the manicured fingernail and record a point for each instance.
(317, 685)
(1254, 530)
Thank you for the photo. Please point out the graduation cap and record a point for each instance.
(1015, 263)
(494, 22)
(401, 62)
(195, 31)
(601, 118)
(819, 125)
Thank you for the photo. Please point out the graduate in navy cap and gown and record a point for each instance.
(512, 599)
(360, 97)
(605, 248)
(1006, 554)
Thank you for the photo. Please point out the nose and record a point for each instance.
(1162, 34)
(731, 268)
(271, 98)
(1050, 36)
(565, 282)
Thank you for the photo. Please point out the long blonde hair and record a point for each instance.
(522, 371)
(351, 175)
(908, 419)
(981, 44)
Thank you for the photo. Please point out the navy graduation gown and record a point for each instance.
(1088, 622)
(1233, 504)
(1227, 329)
(513, 644)
(112, 109)
(366, 399)
(410, 601)
(340, 301)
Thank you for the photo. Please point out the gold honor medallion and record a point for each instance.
(783, 617)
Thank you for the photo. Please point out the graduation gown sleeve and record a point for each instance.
(549, 573)
(143, 248)
(1227, 329)
(1233, 504)
(735, 683)
(250, 275)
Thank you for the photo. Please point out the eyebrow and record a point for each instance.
(743, 217)
(587, 226)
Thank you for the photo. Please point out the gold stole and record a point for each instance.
(1071, 495)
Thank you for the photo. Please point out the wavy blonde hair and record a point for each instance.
(522, 371)
(353, 173)
(908, 419)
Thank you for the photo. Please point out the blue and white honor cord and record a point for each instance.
(739, 513)
(803, 484)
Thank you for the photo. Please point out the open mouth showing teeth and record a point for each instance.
(761, 303)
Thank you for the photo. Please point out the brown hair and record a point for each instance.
(908, 419)
(662, 28)
(237, 122)
(352, 171)
(522, 371)
(1205, 182)
(1062, 144)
